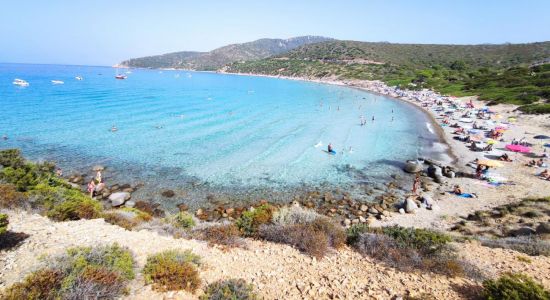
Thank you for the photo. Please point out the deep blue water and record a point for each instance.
(206, 132)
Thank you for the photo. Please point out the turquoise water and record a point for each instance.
(208, 132)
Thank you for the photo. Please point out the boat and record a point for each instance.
(57, 82)
(120, 76)
(20, 82)
(78, 78)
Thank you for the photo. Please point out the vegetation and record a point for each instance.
(4, 222)
(410, 249)
(250, 221)
(228, 290)
(219, 234)
(81, 273)
(184, 220)
(217, 58)
(514, 287)
(126, 217)
(497, 73)
(173, 270)
(31, 184)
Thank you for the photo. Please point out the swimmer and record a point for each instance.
(5, 137)
(373, 118)
(113, 128)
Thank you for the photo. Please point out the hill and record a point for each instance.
(507, 73)
(220, 57)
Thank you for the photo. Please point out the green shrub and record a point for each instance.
(250, 221)
(10, 197)
(514, 287)
(183, 220)
(126, 217)
(11, 158)
(229, 289)
(424, 240)
(81, 273)
(536, 108)
(43, 284)
(354, 231)
(173, 270)
(4, 222)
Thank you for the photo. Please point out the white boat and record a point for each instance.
(79, 78)
(20, 82)
(57, 82)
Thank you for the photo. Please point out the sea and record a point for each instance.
(207, 135)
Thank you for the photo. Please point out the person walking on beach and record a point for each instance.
(98, 176)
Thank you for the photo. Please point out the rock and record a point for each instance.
(355, 221)
(100, 187)
(183, 207)
(128, 190)
(373, 211)
(410, 205)
(402, 211)
(98, 168)
(168, 193)
(386, 213)
(438, 178)
(77, 179)
(543, 228)
(117, 199)
(428, 201)
(230, 211)
(371, 219)
(347, 222)
(364, 207)
(130, 203)
(75, 186)
(362, 219)
(199, 212)
(413, 166)
(523, 231)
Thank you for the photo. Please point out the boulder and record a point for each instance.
(402, 211)
(427, 200)
(117, 199)
(543, 228)
(168, 193)
(412, 166)
(410, 205)
(364, 207)
(183, 207)
(373, 211)
(74, 185)
(438, 178)
(130, 203)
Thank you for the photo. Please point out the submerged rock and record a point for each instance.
(413, 166)
(168, 193)
(117, 199)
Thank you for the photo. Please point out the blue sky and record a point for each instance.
(101, 32)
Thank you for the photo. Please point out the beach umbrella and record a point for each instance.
(490, 163)
(518, 148)
(541, 137)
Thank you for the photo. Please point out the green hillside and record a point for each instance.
(497, 73)
(217, 58)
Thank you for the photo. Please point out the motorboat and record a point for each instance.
(20, 82)
(79, 78)
(120, 76)
(57, 82)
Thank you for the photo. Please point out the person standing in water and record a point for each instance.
(329, 148)
(373, 118)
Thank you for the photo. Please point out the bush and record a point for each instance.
(424, 240)
(294, 215)
(250, 221)
(228, 290)
(126, 217)
(530, 245)
(10, 197)
(173, 270)
(354, 231)
(514, 287)
(184, 220)
(11, 158)
(4, 222)
(63, 204)
(43, 284)
(219, 234)
(81, 273)
(313, 238)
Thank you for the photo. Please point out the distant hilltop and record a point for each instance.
(220, 57)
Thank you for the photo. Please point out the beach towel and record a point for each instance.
(466, 195)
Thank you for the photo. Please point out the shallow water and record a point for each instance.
(206, 132)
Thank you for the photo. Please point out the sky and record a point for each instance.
(102, 32)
